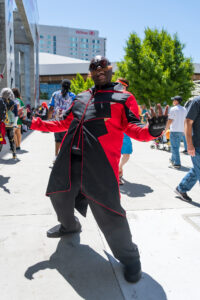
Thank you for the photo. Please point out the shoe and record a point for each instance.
(120, 181)
(133, 272)
(183, 196)
(59, 231)
(173, 165)
(185, 152)
(176, 166)
(54, 160)
(18, 148)
(14, 156)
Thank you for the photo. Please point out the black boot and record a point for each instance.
(59, 230)
(133, 272)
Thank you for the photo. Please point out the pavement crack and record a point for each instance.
(26, 215)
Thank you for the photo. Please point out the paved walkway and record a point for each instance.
(166, 229)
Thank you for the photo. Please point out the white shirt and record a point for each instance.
(177, 114)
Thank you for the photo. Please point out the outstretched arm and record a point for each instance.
(138, 131)
(51, 126)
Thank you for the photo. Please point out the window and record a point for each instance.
(54, 38)
(84, 40)
(84, 46)
(73, 39)
(41, 36)
(73, 45)
(48, 37)
(48, 42)
(95, 46)
(96, 41)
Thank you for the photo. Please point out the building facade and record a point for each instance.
(72, 42)
(19, 64)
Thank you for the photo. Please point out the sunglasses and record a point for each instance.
(101, 63)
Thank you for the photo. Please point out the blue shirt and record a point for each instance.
(61, 104)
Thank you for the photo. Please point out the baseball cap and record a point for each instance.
(178, 98)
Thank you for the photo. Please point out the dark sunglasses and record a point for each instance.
(102, 63)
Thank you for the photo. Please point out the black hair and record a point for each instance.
(65, 86)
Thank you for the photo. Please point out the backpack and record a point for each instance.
(2, 110)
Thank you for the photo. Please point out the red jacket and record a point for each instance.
(95, 123)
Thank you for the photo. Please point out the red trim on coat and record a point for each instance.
(104, 205)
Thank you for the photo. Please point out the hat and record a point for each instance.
(178, 98)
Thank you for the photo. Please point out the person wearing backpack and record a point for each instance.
(11, 116)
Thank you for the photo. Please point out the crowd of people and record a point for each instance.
(12, 111)
(95, 128)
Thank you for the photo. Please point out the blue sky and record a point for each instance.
(115, 20)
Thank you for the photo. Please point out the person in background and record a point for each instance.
(11, 117)
(176, 124)
(60, 102)
(144, 111)
(2, 124)
(17, 130)
(192, 134)
(127, 148)
(44, 111)
(29, 111)
(187, 105)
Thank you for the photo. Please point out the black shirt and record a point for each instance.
(194, 114)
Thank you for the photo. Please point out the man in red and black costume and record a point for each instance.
(86, 170)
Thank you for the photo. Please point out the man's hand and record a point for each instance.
(191, 150)
(157, 122)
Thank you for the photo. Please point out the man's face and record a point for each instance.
(175, 102)
(101, 71)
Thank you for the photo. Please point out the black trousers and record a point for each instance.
(10, 135)
(114, 227)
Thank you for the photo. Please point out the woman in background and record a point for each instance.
(20, 106)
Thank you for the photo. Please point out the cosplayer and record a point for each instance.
(127, 148)
(9, 121)
(86, 170)
(60, 102)
(2, 124)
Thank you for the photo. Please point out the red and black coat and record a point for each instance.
(95, 123)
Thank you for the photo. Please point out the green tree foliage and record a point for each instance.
(78, 84)
(156, 68)
(44, 95)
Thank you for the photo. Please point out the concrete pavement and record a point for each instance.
(81, 266)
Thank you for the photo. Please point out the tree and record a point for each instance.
(156, 68)
(79, 85)
(44, 95)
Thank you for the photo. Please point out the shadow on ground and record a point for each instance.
(83, 268)
(182, 168)
(135, 189)
(22, 151)
(196, 204)
(3, 181)
(146, 289)
(6, 148)
(9, 161)
(87, 272)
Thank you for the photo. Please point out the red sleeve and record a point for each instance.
(132, 125)
(52, 126)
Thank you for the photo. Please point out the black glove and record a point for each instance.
(157, 125)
